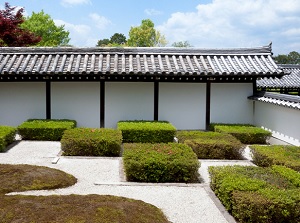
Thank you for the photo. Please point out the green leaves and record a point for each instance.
(45, 129)
(41, 24)
(172, 162)
(7, 136)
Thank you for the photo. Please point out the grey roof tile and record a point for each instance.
(291, 80)
(284, 100)
(153, 61)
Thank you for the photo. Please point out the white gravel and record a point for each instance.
(181, 203)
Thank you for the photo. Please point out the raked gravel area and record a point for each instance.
(181, 203)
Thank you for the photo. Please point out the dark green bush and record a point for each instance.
(247, 134)
(277, 155)
(147, 131)
(256, 194)
(91, 142)
(45, 129)
(7, 136)
(212, 145)
(172, 162)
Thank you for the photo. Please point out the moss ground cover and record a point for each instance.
(62, 209)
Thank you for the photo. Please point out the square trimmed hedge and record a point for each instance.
(256, 194)
(212, 145)
(265, 156)
(45, 129)
(160, 163)
(91, 142)
(247, 134)
(147, 131)
(7, 136)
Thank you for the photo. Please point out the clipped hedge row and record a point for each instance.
(45, 129)
(159, 163)
(256, 194)
(91, 142)
(147, 131)
(212, 145)
(7, 136)
(247, 134)
(277, 155)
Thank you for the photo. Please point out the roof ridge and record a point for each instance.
(136, 50)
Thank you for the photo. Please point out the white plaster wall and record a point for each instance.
(229, 103)
(21, 101)
(79, 101)
(128, 101)
(284, 123)
(183, 104)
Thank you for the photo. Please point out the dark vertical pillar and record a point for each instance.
(254, 86)
(102, 104)
(208, 96)
(48, 99)
(156, 98)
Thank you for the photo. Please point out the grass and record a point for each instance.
(62, 209)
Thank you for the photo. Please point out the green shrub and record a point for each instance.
(267, 206)
(172, 162)
(277, 155)
(45, 129)
(247, 134)
(256, 194)
(91, 142)
(7, 136)
(212, 145)
(147, 131)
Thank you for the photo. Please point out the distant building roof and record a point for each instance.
(284, 100)
(290, 81)
(126, 63)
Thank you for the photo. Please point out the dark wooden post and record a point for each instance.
(48, 99)
(156, 100)
(102, 104)
(208, 96)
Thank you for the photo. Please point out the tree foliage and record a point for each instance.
(145, 35)
(11, 33)
(182, 44)
(291, 58)
(43, 25)
(118, 39)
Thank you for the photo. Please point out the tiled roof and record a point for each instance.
(291, 80)
(284, 100)
(138, 61)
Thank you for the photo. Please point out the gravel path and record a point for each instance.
(181, 203)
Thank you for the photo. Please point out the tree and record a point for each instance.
(291, 58)
(118, 39)
(11, 33)
(145, 35)
(182, 44)
(43, 25)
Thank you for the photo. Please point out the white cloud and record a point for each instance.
(235, 23)
(100, 21)
(153, 12)
(68, 3)
(80, 34)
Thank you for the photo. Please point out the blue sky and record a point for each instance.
(204, 23)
